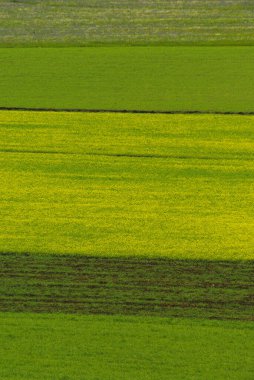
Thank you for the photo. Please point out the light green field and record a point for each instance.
(63, 347)
(86, 22)
(111, 184)
(132, 78)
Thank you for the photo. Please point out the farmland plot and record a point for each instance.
(221, 290)
(57, 346)
(183, 79)
(83, 22)
(126, 240)
(145, 185)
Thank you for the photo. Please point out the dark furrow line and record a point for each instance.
(41, 152)
(84, 110)
(127, 286)
(119, 155)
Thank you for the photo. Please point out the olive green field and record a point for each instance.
(65, 347)
(183, 79)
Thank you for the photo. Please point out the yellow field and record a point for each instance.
(112, 184)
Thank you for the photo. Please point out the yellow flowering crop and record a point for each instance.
(115, 184)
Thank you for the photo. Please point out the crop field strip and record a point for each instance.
(100, 22)
(179, 186)
(127, 286)
(61, 346)
(161, 79)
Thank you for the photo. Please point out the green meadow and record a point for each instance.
(64, 347)
(182, 79)
(177, 186)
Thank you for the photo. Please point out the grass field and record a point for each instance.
(83, 22)
(110, 184)
(134, 78)
(63, 347)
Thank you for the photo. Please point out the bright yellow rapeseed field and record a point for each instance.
(116, 184)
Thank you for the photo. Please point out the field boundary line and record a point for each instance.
(84, 110)
(118, 155)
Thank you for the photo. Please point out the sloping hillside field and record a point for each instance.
(183, 79)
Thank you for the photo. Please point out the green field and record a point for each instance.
(62, 347)
(111, 184)
(129, 78)
(126, 237)
(100, 22)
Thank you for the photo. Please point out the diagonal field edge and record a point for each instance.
(84, 110)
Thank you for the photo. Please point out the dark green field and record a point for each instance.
(100, 22)
(127, 286)
(135, 78)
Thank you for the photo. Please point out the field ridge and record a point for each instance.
(159, 112)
